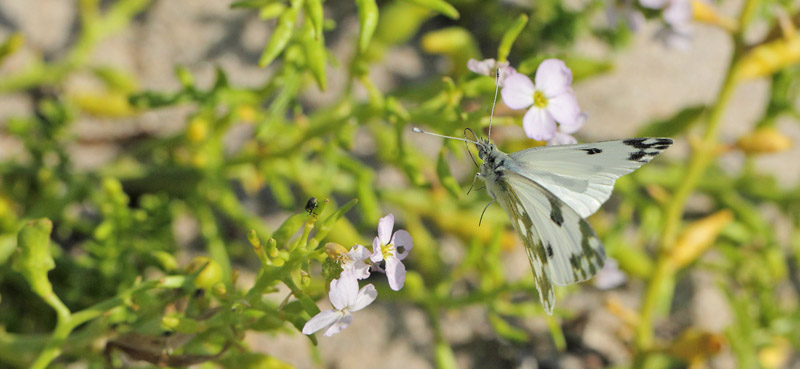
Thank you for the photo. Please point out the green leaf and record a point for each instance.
(280, 35)
(289, 227)
(675, 125)
(367, 22)
(326, 225)
(439, 6)
(510, 36)
(506, 330)
(445, 359)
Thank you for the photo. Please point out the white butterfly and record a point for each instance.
(548, 191)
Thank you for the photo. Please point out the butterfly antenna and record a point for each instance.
(496, 88)
(468, 151)
(417, 130)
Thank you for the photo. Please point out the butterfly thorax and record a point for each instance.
(495, 162)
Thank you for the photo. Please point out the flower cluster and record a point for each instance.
(356, 264)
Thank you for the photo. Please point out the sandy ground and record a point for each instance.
(648, 82)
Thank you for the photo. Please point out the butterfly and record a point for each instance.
(547, 192)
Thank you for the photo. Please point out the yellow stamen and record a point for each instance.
(539, 100)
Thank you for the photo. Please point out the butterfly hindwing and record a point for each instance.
(511, 201)
(572, 251)
(583, 175)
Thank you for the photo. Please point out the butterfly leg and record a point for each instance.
(473, 182)
(484, 212)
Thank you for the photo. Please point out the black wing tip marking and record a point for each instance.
(592, 151)
(643, 143)
(550, 250)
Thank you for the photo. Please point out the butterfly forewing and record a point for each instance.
(583, 175)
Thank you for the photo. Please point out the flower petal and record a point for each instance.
(485, 67)
(395, 273)
(539, 124)
(553, 77)
(377, 254)
(561, 138)
(517, 91)
(361, 270)
(678, 13)
(565, 110)
(321, 321)
(358, 252)
(339, 325)
(385, 226)
(343, 290)
(506, 70)
(403, 243)
(366, 295)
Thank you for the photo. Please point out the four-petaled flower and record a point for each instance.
(392, 249)
(550, 100)
(345, 298)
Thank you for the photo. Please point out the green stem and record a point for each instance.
(67, 323)
(704, 154)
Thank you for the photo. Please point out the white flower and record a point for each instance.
(353, 262)
(550, 100)
(345, 298)
(393, 249)
(488, 67)
(610, 276)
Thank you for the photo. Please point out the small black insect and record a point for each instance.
(311, 204)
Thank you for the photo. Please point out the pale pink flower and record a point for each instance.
(345, 298)
(550, 100)
(488, 67)
(392, 249)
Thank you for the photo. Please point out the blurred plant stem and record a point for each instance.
(68, 322)
(94, 28)
(661, 284)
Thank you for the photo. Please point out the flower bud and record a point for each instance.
(768, 58)
(764, 140)
(695, 346)
(698, 237)
(210, 274)
(334, 250)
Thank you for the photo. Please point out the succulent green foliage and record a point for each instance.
(92, 255)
